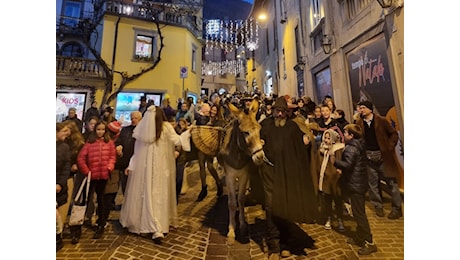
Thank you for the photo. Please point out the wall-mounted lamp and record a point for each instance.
(385, 3)
(301, 62)
(327, 43)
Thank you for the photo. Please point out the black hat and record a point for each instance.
(109, 109)
(280, 103)
(367, 104)
(247, 97)
(268, 102)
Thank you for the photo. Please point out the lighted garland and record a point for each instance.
(227, 35)
(214, 68)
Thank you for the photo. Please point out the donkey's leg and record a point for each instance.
(242, 181)
(230, 181)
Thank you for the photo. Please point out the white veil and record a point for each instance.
(145, 131)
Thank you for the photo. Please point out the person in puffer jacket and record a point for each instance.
(98, 156)
(354, 181)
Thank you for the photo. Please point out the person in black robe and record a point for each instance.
(288, 185)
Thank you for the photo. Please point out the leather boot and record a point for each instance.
(75, 233)
(203, 193)
(99, 232)
(59, 242)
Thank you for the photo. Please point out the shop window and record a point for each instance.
(323, 84)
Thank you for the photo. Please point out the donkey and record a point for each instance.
(241, 144)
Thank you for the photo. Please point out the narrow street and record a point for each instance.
(202, 229)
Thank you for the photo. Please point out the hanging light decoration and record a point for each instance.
(229, 36)
(214, 68)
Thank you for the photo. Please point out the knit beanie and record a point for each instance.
(114, 127)
(367, 104)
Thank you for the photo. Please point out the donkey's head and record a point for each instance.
(250, 130)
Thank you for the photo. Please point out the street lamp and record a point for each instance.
(327, 43)
(385, 3)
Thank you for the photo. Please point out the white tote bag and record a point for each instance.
(77, 215)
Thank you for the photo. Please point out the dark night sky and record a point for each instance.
(226, 9)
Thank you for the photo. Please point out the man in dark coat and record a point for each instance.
(125, 147)
(288, 185)
(92, 111)
(73, 116)
(381, 139)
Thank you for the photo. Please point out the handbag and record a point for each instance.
(77, 215)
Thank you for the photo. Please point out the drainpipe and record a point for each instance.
(115, 47)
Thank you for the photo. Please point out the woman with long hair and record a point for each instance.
(150, 204)
(75, 141)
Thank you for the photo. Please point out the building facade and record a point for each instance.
(351, 50)
(150, 48)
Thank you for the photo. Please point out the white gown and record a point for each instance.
(150, 198)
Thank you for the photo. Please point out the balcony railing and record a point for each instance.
(159, 12)
(146, 11)
(79, 67)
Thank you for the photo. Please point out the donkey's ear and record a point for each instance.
(235, 111)
(254, 108)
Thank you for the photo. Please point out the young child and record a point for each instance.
(329, 178)
(98, 157)
(354, 182)
(181, 159)
(111, 188)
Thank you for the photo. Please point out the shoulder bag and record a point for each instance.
(77, 215)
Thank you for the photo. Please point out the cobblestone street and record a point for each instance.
(202, 229)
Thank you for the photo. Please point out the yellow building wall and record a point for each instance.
(165, 78)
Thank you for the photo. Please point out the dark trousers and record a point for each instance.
(102, 210)
(109, 202)
(326, 205)
(180, 167)
(273, 234)
(123, 180)
(363, 230)
(98, 187)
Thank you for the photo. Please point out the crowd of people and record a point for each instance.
(316, 163)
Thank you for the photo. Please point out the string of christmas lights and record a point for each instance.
(228, 35)
(214, 68)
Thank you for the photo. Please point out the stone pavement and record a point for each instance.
(201, 234)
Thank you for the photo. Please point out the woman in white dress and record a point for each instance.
(150, 199)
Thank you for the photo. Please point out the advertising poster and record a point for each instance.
(128, 102)
(369, 73)
(64, 101)
(323, 84)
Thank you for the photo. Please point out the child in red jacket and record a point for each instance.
(98, 157)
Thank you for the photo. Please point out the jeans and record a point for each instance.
(375, 174)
